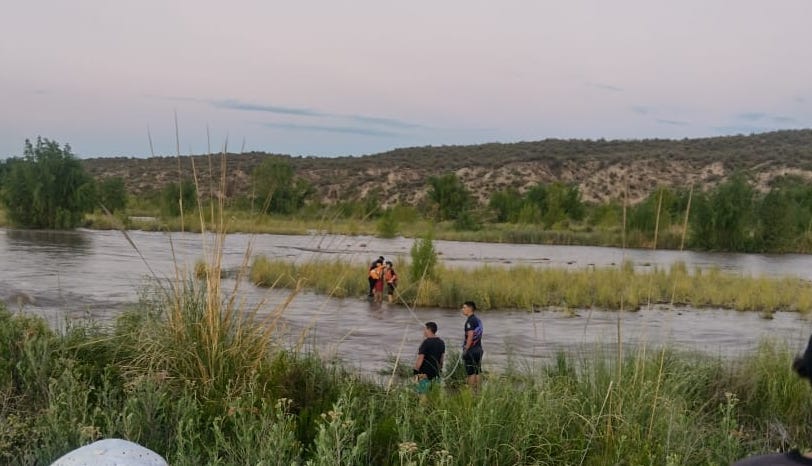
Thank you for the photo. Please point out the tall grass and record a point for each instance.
(525, 287)
(647, 406)
(201, 379)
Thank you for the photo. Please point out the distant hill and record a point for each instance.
(599, 167)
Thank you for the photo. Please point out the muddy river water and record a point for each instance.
(95, 274)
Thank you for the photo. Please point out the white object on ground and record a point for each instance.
(111, 452)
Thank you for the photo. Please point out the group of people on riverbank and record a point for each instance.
(382, 272)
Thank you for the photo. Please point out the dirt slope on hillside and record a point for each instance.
(600, 168)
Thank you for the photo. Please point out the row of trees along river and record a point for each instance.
(48, 188)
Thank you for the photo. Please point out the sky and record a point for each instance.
(355, 77)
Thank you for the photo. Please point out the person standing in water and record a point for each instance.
(803, 367)
(377, 273)
(391, 278)
(430, 356)
(372, 280)
(472, 344)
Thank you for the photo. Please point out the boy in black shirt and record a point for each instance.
(429, 363)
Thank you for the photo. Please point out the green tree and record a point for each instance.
(449, 196)
(643, 216)
(113, 194)
(702, 222)
(47, 188)
(424, 259)
(724, 218)
(277, 187)
(777, 218)
(172, 195)
(562, 202)
(733, 210)
(506, 204)
(387, 225)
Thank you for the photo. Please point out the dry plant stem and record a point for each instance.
(682, 240)
(600, 414)
(656, 394)
(654, 246)
(180, 171)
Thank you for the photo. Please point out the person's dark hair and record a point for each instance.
(379, 261)
(470, 304)
(389, 263)
(380, 258)
(802, 365)
(431, 326)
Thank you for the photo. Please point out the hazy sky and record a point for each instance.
(362, 76)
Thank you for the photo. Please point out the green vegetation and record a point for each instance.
(424, 260)
(277, 189)
(449, 196)
(467, 193)
(113, 194)
(732, 216)
(529, 288)
(387, 226)
(177, 198)
(47, 188)
(206, 386)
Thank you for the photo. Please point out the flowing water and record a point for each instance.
(95, 274)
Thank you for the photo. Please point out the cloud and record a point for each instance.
(232, 104)
(605, 87)
(765, 118)
(235, 104)
(363, 131)
(641, 109)
(741, 129)
(752, 116)
(784, 119)
(392, 122)
(671, 122)
(799, 100)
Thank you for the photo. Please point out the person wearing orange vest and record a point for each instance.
(376, 274)
(391, 279)
(369, 277)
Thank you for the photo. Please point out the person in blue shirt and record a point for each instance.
(472, 344)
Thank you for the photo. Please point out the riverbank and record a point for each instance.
(532, 288)
(202, 384)
(239, 221)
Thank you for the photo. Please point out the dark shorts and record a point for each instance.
(390, 288)
(473, 360)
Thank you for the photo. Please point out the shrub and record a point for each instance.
(47, 188)
(424, 259)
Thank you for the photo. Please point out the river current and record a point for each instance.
(88, 274)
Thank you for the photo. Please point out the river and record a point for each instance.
(82, 274)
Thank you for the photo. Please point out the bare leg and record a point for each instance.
(473, 381)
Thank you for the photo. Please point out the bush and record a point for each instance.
(173, 197)
(47, 188)
(113, 194)
(387, 225)
(424, 259)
